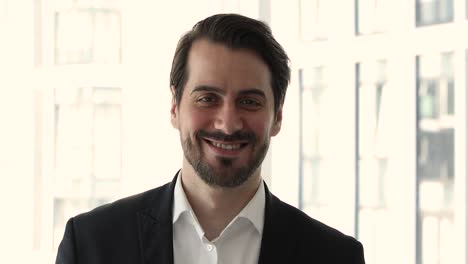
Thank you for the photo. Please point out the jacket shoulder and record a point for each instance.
(111, 233)
(120, 220)
(316, 238)
(123, 208)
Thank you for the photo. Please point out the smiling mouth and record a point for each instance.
(226, 146)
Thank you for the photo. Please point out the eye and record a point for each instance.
(206, 100)
(250, 103)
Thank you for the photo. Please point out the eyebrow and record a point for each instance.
(208, 88)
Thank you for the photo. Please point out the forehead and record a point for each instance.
(217, 65)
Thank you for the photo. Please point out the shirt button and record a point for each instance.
(209, 247)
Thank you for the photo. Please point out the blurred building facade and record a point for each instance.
(378, 102)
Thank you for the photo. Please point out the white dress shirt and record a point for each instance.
(238, 243)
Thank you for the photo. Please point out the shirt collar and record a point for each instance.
(181, 204)
(182, 208)
(254, 211)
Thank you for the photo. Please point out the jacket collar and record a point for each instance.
(155, 225)
(155, 229)
(277, 242)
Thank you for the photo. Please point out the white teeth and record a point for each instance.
(225, 146)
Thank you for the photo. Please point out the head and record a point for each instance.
(228, 80)
(236, 32)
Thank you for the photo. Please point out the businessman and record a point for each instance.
(228, 81)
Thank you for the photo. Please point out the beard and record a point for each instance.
(226, 175)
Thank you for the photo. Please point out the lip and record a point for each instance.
(230, 149)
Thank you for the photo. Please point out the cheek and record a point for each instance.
(194, 121)
(261, 128)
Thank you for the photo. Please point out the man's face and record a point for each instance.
(226, 114)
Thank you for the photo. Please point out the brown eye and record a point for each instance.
(207, 100)
(250, 103)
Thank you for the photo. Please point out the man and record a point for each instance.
(228, 81)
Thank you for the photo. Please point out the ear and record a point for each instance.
(277, 122)
(174, 110)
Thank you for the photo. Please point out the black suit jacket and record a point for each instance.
(138, 229)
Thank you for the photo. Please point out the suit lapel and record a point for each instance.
(277, 244)
(155, 229)
(155, 226)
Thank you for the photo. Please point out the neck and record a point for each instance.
(215, 207)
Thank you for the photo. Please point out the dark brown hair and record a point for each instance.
(236, 32)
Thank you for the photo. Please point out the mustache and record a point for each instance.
(220, 136)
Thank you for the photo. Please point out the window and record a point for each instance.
(87, 151)
(429, 12)
(435, 157)
(82, 117)
(316, 142)
(372, 16)
(315, 18)
(87, 32)
(372, 133)
(374, 110)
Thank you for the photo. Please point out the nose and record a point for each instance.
(228, 119)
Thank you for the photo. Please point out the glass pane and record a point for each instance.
(312, 141)
(430, 240)
(107, 136)
(447, 236)
(365, 16)
(88, 151)
(376, 125)
(87, 35)
(310, 182)
(74, 37)
(106, 190)
(309, 125)
(107, 37)
(373, 16)
(374, 236)
(436, 154)
(374, 133)
(429, 12)
(446, 10)
(314, 19)
(73, 135)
